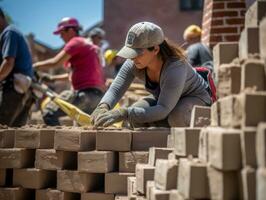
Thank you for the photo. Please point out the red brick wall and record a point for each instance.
(223, 20)
(119, 15)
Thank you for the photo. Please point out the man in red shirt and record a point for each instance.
(86, 75)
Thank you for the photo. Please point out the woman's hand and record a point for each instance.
(111, 117)
(100, 109)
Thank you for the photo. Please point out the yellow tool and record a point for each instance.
(82, 118)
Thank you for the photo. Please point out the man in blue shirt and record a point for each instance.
(15, 75)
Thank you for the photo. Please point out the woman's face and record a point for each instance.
(145, 58)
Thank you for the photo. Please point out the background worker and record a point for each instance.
(198, 54)
(86, 75)
(15, 75)
(113, 63)
(96, 36)
(174, 85)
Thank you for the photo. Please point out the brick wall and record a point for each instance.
(120, 15)
(222, 20)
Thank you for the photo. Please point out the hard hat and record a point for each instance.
(192, 31)
(67, 22)
(109, 55)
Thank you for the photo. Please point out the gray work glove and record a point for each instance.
(111, 117)
(100, 109)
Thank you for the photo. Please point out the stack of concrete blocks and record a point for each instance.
(131, 150)
(229, 145)
(41, 164)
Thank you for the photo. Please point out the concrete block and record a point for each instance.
(144, 138)
(203, 145)
(261, 183)
(249, 183)
(186, 141)
(250, 108)
(53, 194)
(223, 185)
(113, 140)
(261, 145)
(16, 158)
(200, 116)
(253, 75)
(97, 196)
(224, 149)
(255, 13)
(165, 175)
(224, 53)
(158, 153)
(192, 179)
(7, 138)
(144, 173)
(80, 182)
(32, 138)
(229, 80)
(248, 146)
(159, 194)
(215, 114)
(228, 112)
(149, 185)
(2, 177)
(262, 39)
(15, 193)
(51, 159)
(249, 42)
(116, 183)
(175, 195)
(131, 186)
(128, 160)
(170, 141)
(97, 161)
(74, 140)
(34, 178)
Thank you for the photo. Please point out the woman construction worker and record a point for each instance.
(86, 76)
(174, 85)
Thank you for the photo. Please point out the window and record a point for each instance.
(191, 5)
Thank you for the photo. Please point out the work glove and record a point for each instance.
(100, 109)
(111, 117)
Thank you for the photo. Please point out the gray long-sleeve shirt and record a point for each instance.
(177, 79)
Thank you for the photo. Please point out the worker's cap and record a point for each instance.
(192, 31)
(67, 22)
(141, 36)
(97, 32)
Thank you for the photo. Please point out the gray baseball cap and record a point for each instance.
(141, 36)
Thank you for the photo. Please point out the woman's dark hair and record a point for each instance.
(169, 49)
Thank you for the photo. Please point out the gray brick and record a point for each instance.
(51, 159)
(144, 138)
(34, 178)
(128, 160)
(255, 13)
(249, 42)
(97, 161)
(74, 140)
(113, 140)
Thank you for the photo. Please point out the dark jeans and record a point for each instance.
(14, 107)
(86, 100)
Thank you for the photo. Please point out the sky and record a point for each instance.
(40, 17)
